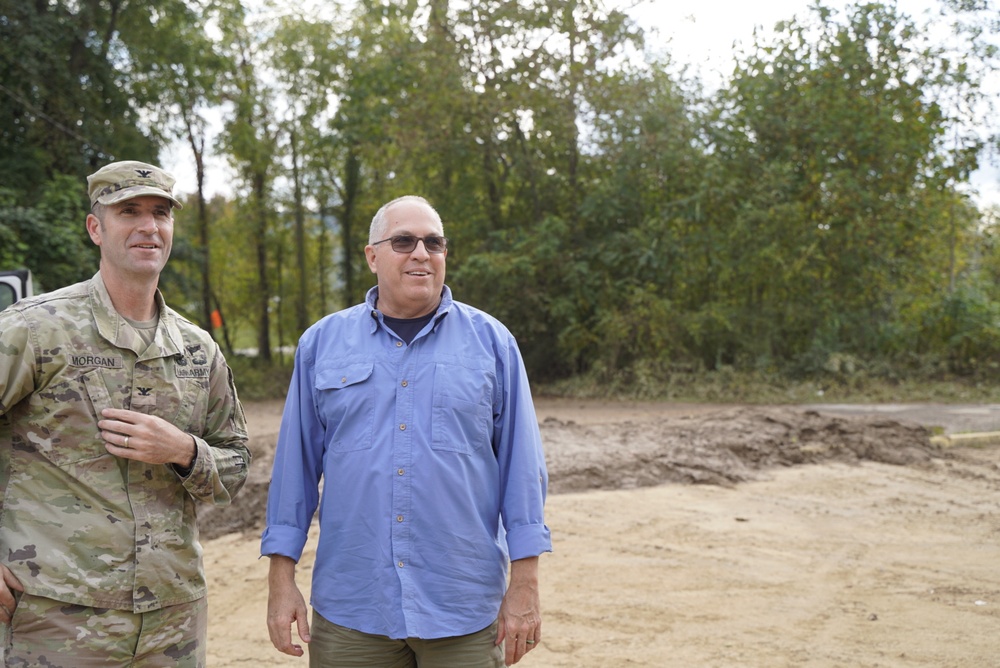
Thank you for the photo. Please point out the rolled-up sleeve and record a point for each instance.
(523, 475)
(293, 494)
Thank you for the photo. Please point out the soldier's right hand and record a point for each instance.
(7, 601)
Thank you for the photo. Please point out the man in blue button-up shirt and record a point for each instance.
(415, 411)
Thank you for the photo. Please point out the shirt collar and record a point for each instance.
(371, 301)
(111, 324)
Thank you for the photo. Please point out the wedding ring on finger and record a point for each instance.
(125, 444)
(529, 642)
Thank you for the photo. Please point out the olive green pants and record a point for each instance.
(333, 646)
(52, 634)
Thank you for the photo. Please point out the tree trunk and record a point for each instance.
(352, 179)
(264, 292)
(301, 305)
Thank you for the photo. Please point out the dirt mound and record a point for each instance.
(721, 448)
(246, 514)
(724, 447)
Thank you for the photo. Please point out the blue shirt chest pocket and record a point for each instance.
(462, 410)
(345, 401)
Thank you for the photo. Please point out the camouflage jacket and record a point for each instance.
(78, 524)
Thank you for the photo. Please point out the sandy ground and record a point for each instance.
(716, 536)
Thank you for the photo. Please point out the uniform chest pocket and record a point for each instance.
(345, 402)
(69, 431)
(192, 407)
(462, 410)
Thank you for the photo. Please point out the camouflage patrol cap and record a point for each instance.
(119, 181)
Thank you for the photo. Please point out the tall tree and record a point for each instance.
(833, 135)
(307, 57)
(250, 137)
(183, 74)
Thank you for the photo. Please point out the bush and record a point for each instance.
(256, 381)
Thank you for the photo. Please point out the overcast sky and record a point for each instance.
(703, 33)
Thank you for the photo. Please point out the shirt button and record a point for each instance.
(402, 427)
(400, 564)
(344, 379)
(399, 344)
(404, 383)
(399, 518)
(399, 471)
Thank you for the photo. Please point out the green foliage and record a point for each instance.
(13, 219)
(525, 285)
(963, 328)
(67, 96)
(50, 237)
(833, 140)
(256, 381)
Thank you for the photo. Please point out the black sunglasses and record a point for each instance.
(407, 243)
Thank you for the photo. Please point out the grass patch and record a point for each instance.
(754, 387)
(256, 381)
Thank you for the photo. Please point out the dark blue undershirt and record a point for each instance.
(407, 328)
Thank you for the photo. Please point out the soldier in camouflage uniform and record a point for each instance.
(117, 417)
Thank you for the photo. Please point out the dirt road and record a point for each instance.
(825, 537)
